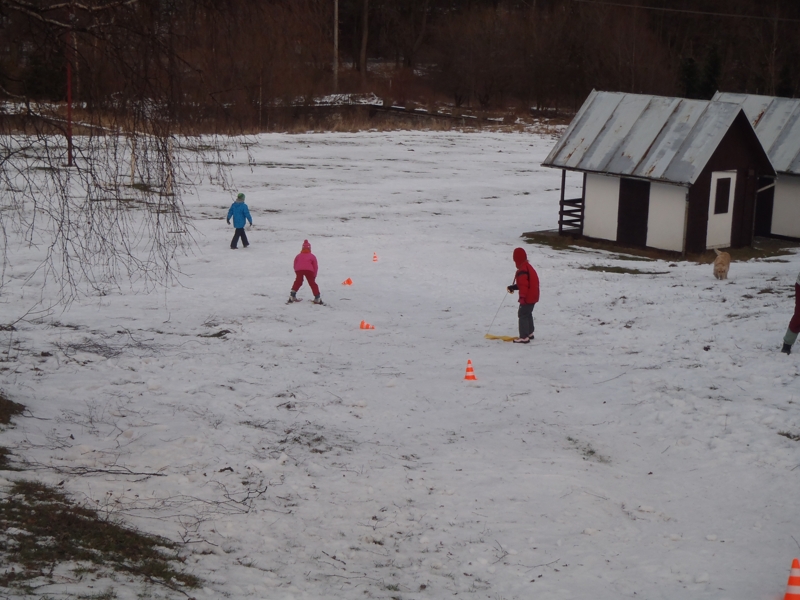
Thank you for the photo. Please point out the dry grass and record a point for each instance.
(622, 270)
(351, 118)
(762, 249)
(8, 409)
(41, 528)
(52, 529)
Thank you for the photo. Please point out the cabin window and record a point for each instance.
(723, 196)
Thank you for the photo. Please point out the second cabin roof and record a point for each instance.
(777, 125)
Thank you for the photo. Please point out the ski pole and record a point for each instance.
(497, 313)
(498, 308)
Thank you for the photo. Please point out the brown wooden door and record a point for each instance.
(634, 208)
(764, 203)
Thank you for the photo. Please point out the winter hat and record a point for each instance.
(240, 197)
(520, 257)
(306, 246)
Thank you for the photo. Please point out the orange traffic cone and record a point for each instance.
(370, 326)
(347, 281)
(365, 325)
(793, 587)
(374, 257)
(470, 374)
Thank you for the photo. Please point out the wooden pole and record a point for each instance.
(133, 158)
(69, 54)
(168, 165)
(335, 46)
(364, 38)
(69, 112)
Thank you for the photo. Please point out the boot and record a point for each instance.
(292, 297)
(787, 349)
(318, 300)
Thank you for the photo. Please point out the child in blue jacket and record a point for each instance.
(240, 214)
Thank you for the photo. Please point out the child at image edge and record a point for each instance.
(794, 325)
(241, 215)
(527, 282)
(305, 265)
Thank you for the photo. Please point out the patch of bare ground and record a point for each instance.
(766, 249)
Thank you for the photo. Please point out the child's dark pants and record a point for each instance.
(309, 275)
(239, 234)
(525, 314)
(794, 325)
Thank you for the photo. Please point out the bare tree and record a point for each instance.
(115, 214)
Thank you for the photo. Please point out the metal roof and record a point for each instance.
(649, 137)
(777, 125)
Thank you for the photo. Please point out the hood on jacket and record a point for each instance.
(520, 257)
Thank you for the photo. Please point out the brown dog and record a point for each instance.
(721, 264)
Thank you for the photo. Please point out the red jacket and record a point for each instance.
(526, 279)
(305, 261)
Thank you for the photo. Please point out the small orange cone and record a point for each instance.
(793, 587)
(374, 257)
(370, 326)
(470, 374)
(347, 281)
(365, 325)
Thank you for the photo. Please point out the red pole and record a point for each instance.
(69, 113)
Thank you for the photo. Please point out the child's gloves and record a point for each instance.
(228, 221)
(512, 288)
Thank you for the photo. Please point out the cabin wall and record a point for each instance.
(601, 206)
(786, 207)
(738, 151)
(667, 217)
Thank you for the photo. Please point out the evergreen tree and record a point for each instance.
(712, 71)
(690, 78)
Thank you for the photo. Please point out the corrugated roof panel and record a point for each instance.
(637, 143)
(777, 124)
(706, 135)
(635, 135)
(606, 143)
(669, 143)
(599, 107)
(782, 122)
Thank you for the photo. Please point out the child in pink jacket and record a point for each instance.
(305, 265)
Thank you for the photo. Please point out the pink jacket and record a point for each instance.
(305, 261)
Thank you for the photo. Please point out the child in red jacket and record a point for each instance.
(305, 265)
(794, 325)
(527, 282)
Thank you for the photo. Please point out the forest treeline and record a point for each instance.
(225, 60)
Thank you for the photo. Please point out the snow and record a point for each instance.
(631, 450)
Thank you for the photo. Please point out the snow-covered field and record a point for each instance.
(631, 451)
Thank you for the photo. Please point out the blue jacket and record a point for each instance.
(239, 212)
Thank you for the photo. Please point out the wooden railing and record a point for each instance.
(570, 216)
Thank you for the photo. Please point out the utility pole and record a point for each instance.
(69, 113)
(364, 35)
(70, 54)
(335, 46)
